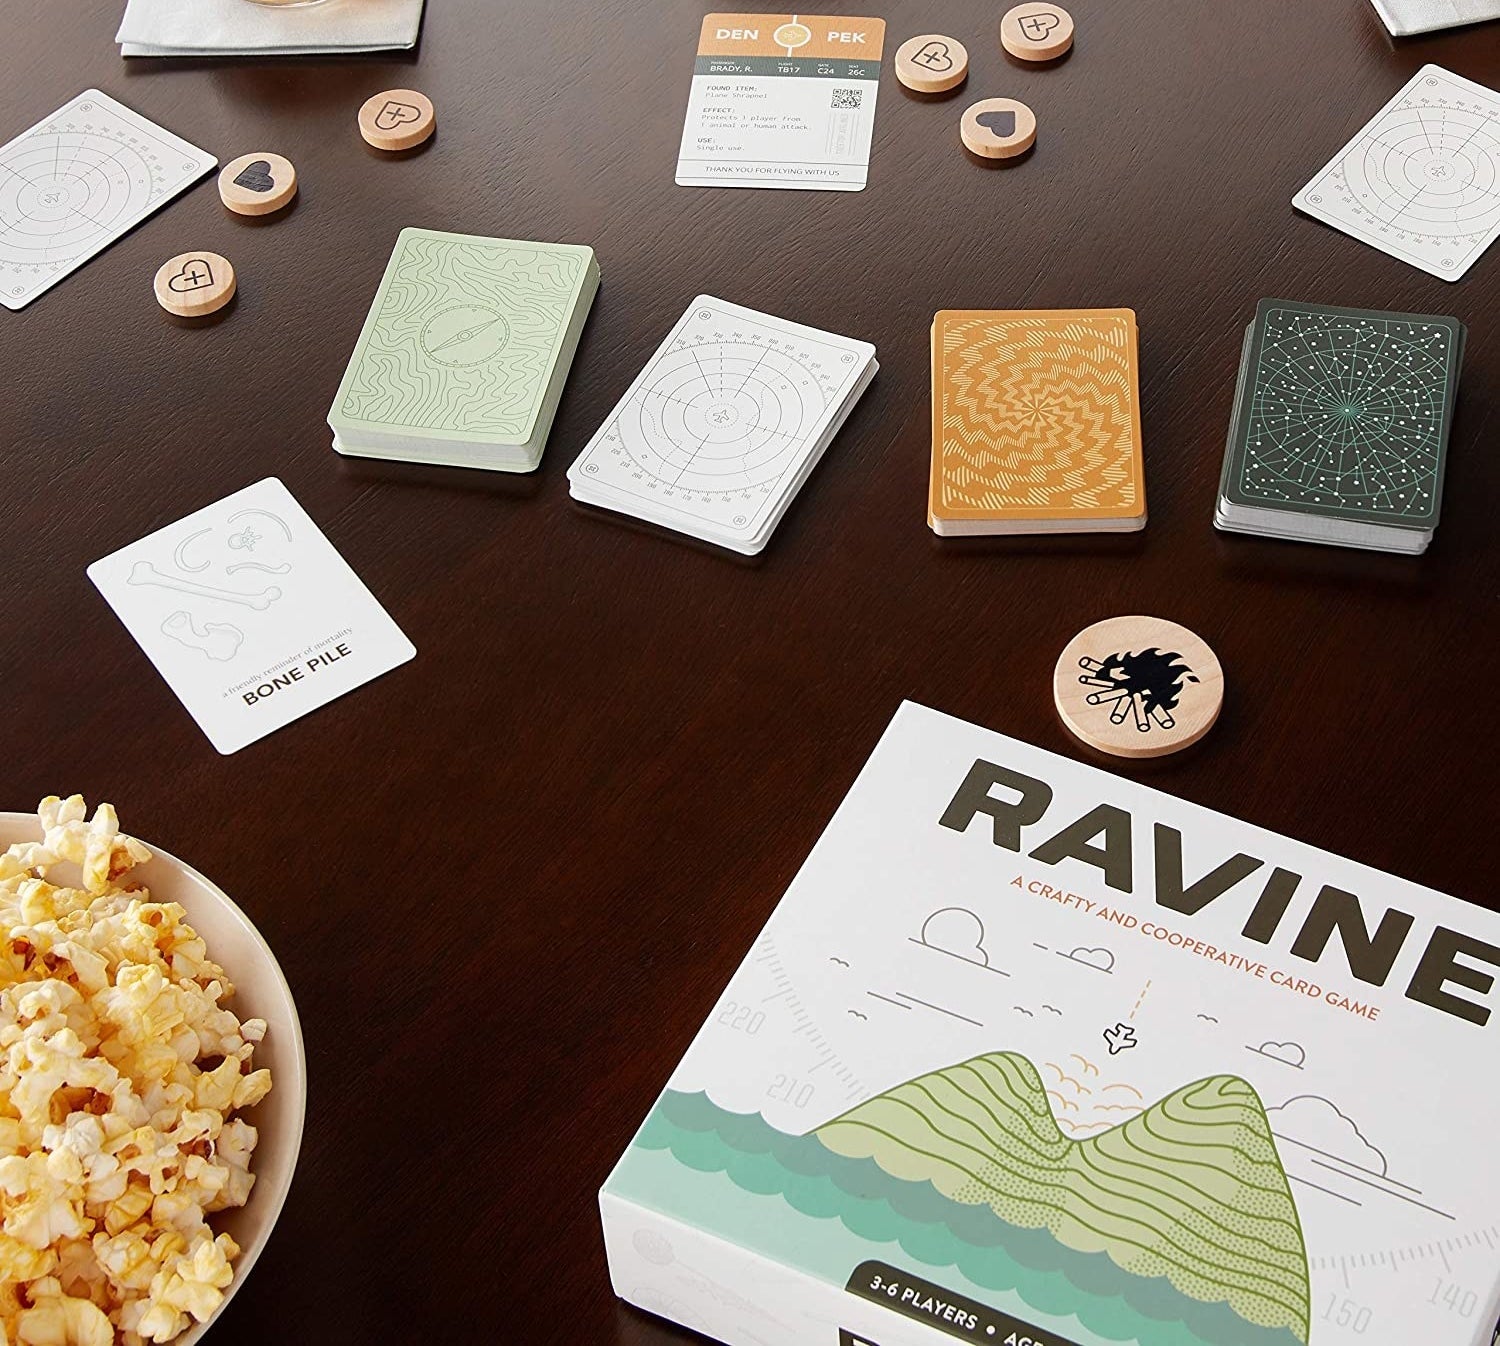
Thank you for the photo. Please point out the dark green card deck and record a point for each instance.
(1340, 427)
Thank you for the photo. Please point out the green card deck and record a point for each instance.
(465, 351)
(1340, 426)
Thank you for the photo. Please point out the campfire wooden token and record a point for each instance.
(998, 128)
(193, 284)
(397, 119)
(258, 183)
(1138, 686)
(1037, 32)
(932, 63)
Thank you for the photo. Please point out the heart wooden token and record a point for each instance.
(258, 183)
(932, 63)
(193, 284)
(397, 119)
(1037, 32)
(1138, 686)
(999, 128)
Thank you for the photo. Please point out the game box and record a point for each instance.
(1034, 1055)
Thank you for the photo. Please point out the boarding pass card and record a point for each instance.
(250, 614)
(720, 423)
(782, 100)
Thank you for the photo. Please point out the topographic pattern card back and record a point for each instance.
(462, 336)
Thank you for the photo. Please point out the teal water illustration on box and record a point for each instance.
(1175, 1228)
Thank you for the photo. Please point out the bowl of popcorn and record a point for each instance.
(152, 1087)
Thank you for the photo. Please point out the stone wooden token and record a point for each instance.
(195, 283)
(1037, 32)
(1138, 686)
(999, 128)
(932, 63)
(257, 184)
(397, 119)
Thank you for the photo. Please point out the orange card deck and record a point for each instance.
(1036, 424)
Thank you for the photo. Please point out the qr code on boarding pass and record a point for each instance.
(848, 97)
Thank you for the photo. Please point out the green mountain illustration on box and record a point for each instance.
(1176, 1227)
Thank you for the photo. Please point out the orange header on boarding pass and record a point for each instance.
(814, 35)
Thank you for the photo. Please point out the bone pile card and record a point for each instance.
(76, 182)
(1420, 181)
(250, 614)
(1036, 422)
(727, 420)
(782, 100)
(1340, 427)
(464, 354)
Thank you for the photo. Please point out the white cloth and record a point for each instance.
(242, 28)
(1404, 17)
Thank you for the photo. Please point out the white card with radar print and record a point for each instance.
(719, 425)
(1422, 180)
(76, 182)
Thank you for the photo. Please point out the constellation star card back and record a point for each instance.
(1030, 1053)
(1341, 425)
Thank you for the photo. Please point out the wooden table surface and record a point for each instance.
(508, 880)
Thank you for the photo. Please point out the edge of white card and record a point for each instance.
(1431, 23)
(206, 164)
(1035, 527)
(846, 186)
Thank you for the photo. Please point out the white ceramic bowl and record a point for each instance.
(260, 992)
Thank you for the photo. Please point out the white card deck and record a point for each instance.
(1419, 181)
(720, 429)
(250, 614)
(76, 182)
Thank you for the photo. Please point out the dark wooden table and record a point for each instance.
(508, 880)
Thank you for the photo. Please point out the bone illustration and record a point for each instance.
(281, 569)
(179, 558)
(264, 514)
(218, 640)
(143, 572)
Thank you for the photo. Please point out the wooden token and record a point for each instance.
(1138, 686)
(397, 119)
(257, 184)
(195, 283)
(999, 128)
(932, 63)
(1037, 32)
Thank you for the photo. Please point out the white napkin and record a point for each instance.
(243, 28)
(1404, 17)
